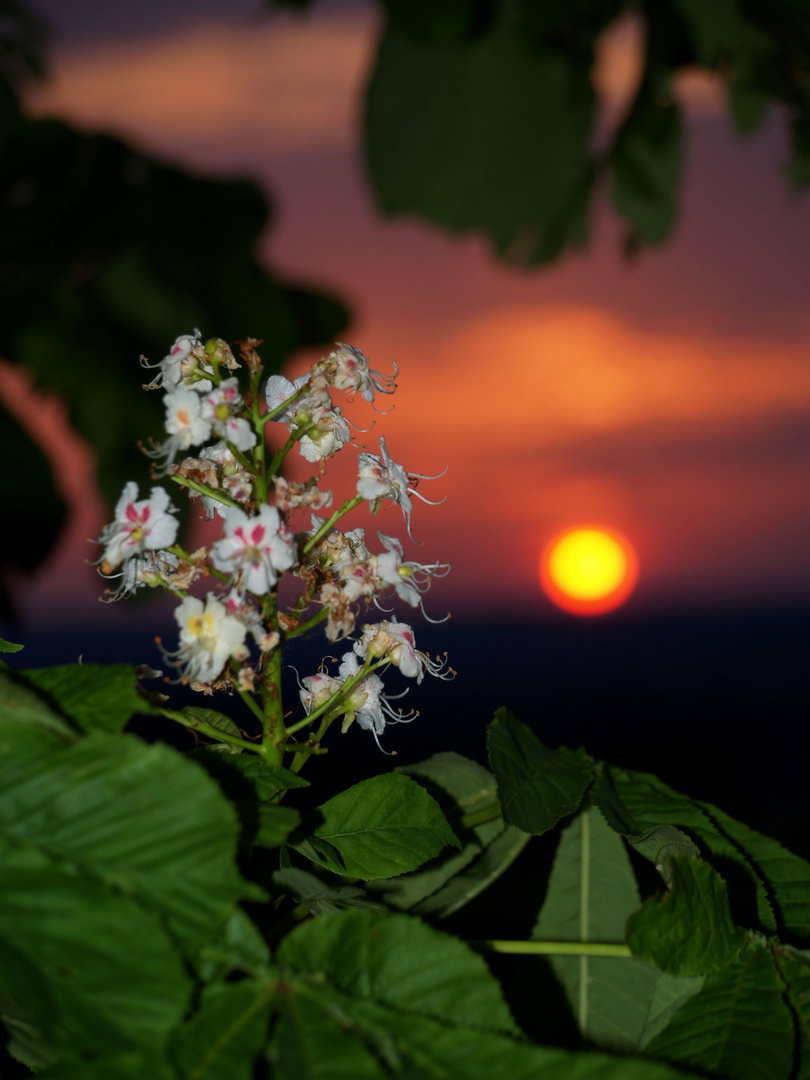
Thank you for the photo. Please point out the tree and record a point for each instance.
(107, 253)
(481, 115)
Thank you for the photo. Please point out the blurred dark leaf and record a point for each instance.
(106, 254)
(22, 55)
(441, 21)
(646, 162)
(490, 135)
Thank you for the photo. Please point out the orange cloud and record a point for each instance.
(285, 84)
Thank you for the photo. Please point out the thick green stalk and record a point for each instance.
(554, 948)
(275, 733)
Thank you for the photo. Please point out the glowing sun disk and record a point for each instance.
(588, 571)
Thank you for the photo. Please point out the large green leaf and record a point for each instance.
(95, 697)
(688, 931)
(794, 968)
(320, 1025)
(488, 133)
(591, 892)
(736, 1026)
(635, 802)
(237, 946)
(465, 791)
(222, 1039)
(140, 818)
(669, 994)
(381, 827)
(537, 787)
(398, 960)
(126, 1066)
(94, 970)
(23, 706)
(315, 1040)
(464, 886)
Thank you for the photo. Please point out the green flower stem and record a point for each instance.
(181, 553)
(251, 704)
(259, 471)
(271, 415)
(240, 457)
(281, 454)
(303, 755)
(201, 489)
(212, 732)
(331, 704)
(554, 948)
(330, 522)
(303, 627)
(480, 817)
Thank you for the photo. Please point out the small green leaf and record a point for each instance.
(8, 646)
(463, 789)
(215, 719)
(537, 787)
(95, 697)
(245, 777)
(688, 931)
(381, 827)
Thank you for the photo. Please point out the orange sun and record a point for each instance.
(588, 570)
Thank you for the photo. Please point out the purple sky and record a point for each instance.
(668, 397)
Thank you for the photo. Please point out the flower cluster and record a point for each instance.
(231, 637)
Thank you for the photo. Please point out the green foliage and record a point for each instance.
(381, 827)
(132, 945)
(107, 253)
(591, 893)
(466, 792)
(737, 1025)
(689, 931)
(634, 803)
(481, 115)
(95, 697)
(453, 125)
(537, 787)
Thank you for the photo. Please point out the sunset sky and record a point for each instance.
(667, 398)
